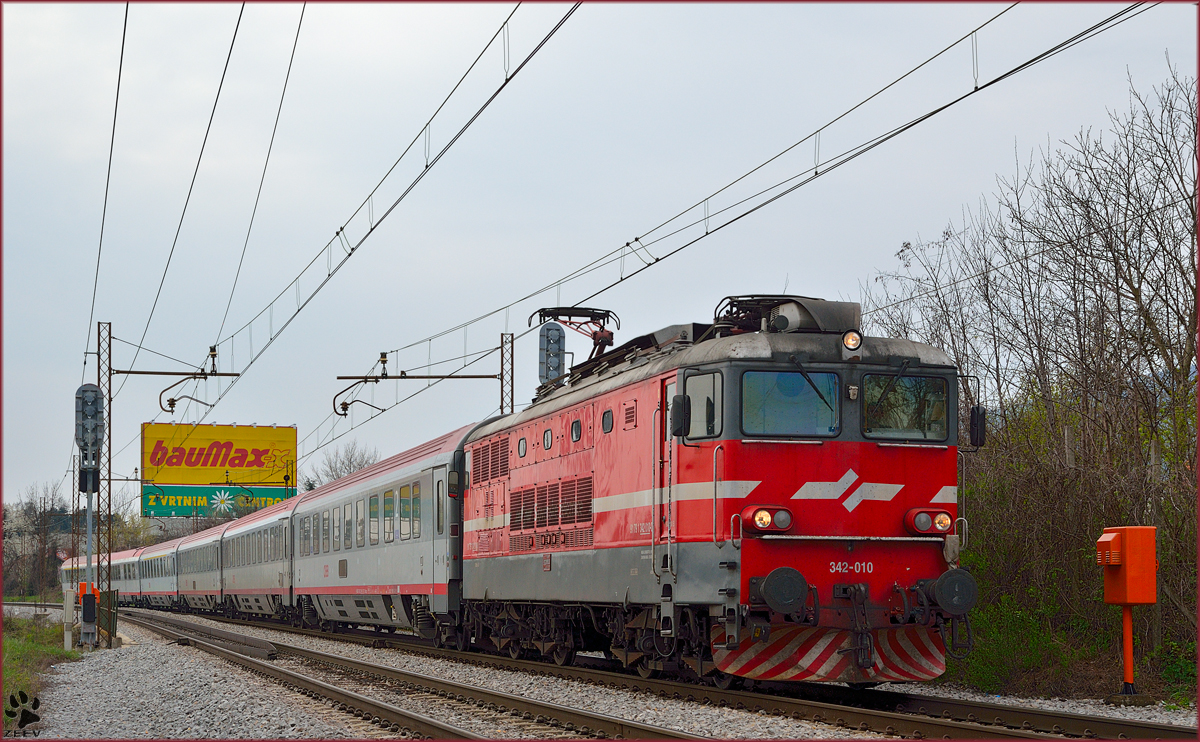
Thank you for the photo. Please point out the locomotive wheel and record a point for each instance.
(644, 670)
(462, 641)
(514, 649)
(564, 656)
(723, 681)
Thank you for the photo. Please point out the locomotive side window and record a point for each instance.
(606, 421)
(373, 519)
(521, 448)
(337, 528)
(349, 534)
(389, 516)
(416, 510)
(576, 430)
(361, 517)
(405, 512)
(547, 439)
(785, 403)
(705, 393)
(904, 407)
(325, 531)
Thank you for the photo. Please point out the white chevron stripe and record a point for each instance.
(946, 494)
(826, 490)
(871, 491)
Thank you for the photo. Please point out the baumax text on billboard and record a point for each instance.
(213, 454)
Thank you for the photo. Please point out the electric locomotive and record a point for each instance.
(770, 496)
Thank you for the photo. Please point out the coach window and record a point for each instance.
(325, 531)
(704, 391)
(287, 544)
(440, 507)
(374, 519)
(316, 533)
(405, 512)
(576, 430)
(416, 510)
(337, 528)
(361, 517)
(547, 439)
(258, 547)
(389, 516)
(348, 536)
(521, 448)
(606, 421)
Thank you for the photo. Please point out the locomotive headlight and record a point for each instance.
(922, 521)
(851, 339)
(783, 519)
(941, 521)
(762, 518)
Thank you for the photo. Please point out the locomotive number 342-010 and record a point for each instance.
(858, 568)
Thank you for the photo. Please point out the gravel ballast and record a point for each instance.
(180, 692)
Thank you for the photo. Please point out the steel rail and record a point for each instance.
(571, 718)
(369, 709)
(982, 719)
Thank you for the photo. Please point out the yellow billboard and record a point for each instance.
(218, 454)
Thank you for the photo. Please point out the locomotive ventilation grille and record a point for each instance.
(490, 461)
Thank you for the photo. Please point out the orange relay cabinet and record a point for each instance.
(1127, 554)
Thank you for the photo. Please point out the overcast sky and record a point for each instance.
(630, 114)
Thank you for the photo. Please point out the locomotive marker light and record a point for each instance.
(1127, 554)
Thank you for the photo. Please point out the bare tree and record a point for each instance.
(1073, 299)
(338, 463)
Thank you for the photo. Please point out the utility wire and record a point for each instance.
(154, 352)
(1053, 246)
(1111, 22)
(187, 200)
(354, 247)
(1107, 24)
(104, 210)
(607, 258)
(263, 179)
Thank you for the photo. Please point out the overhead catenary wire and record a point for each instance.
(263, 178)
(1104, 25)
(354, 247)
(107, 180)
(188, 199)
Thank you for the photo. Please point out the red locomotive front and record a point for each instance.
(771, 496)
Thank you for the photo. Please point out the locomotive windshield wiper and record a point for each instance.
(886, 390)
(811, 383)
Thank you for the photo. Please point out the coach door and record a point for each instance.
(439, 540)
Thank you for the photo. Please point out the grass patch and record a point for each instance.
(30, 646)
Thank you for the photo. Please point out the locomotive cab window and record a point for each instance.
(606, 421)
(704, 390)
(786, 403)
(905, 407)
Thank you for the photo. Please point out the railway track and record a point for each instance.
(508, 713)
(889, 712)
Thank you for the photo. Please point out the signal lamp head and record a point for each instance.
(762, 518)
(923, 521)
(941, 521)
(851, 339)
(783, 519)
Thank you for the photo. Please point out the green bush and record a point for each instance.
(31, 646)
(1010, 640)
